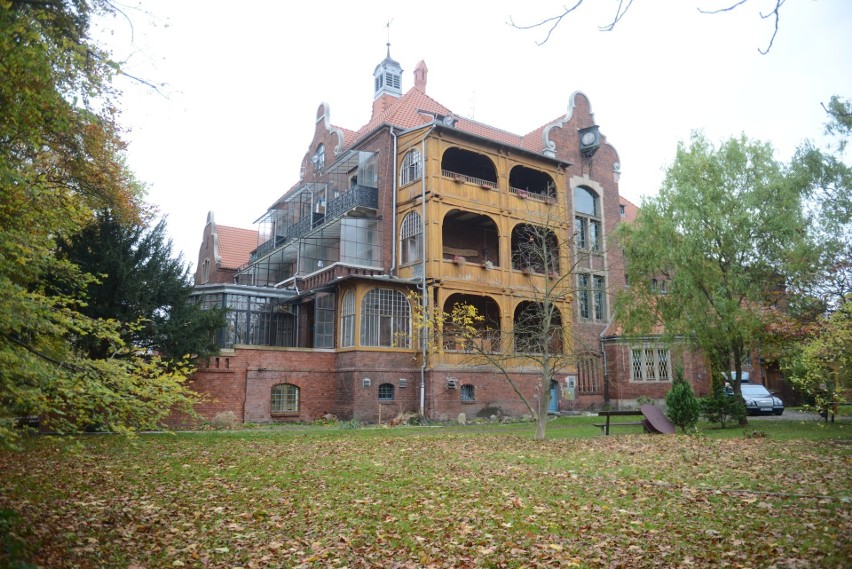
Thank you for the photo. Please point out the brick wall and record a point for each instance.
(362, 402)
(334, 383)
(493, 395)
(624, 393)
(222, 383)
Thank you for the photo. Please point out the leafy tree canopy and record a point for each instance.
(61, 160)
(829, 182)
(822, 369)
(141, 285)
(728, 231)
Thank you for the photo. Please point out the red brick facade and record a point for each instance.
(346, 385)
(471, 202)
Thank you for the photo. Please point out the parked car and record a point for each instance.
(758, 400)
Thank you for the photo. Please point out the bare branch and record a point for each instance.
(556, 20)
(624, 6)
(619, 13)
(726, 9)
(153, 86)
(774, 13)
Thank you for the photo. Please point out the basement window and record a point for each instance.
(386, 392)
(285, 399)
(467, 393)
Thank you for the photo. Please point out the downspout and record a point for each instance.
(395, 187)
(424, 296)
(605, 374)
(603, 361)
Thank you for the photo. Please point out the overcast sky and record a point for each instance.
(243, 82)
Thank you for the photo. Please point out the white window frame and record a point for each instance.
(284, 399)
(412, 167)
(347, 319)
(385, 319)
(650, 363)
(411, 239)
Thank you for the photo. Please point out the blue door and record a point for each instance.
(554, 398)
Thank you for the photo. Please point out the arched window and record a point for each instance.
(347, 320)
(205, 271)
(385, 319)
(319, 158)
(386, 392)
(537, 328)
(285, 399)
(535, 249)
(468, 392)
(411, 238)
(587, 219)
(411, 168)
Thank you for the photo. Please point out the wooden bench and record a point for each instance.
(452, 252)
(604, 427)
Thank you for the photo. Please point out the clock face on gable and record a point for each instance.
(590, 140)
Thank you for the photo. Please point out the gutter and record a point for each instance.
(395, 189)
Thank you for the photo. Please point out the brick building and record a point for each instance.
(223, 251)
(419, 200)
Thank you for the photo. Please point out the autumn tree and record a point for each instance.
(822, 368)
(728, 232)
(61, 159)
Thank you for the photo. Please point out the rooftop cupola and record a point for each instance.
(388, 78)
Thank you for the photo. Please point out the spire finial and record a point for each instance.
(388, 26)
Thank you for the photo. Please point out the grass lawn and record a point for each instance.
(778, 494)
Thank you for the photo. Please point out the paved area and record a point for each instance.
(797, 416)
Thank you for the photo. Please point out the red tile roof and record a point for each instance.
(415, 108)
(235, 245)
(404, 112)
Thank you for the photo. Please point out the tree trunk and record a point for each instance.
(541, 415)
(540, 423)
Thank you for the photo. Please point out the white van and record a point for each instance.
(745, 378)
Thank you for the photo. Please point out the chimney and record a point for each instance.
(420, 76)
